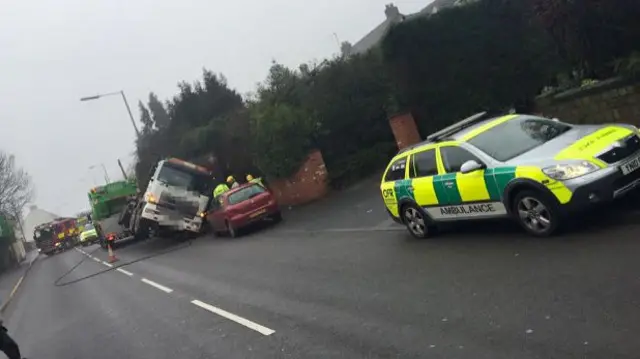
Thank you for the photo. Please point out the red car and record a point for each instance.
(240, 207)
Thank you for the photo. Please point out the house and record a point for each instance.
(394, 16)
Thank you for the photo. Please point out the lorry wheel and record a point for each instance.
(141, 229)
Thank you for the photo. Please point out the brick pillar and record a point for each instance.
(404, 130)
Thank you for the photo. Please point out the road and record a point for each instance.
(480, 291)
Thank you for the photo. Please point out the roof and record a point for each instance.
(376, 35)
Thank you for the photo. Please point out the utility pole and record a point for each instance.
(124, 174)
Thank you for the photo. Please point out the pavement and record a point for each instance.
(357, 208)
(11, 279)
(477, 291)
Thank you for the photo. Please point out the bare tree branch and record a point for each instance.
(15, 187)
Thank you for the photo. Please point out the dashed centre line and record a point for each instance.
(208, 307)
(157, 285)
(238, 319)
(124, 272)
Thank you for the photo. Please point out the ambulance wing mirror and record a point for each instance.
(471, 166)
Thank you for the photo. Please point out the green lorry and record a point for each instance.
(108, 207)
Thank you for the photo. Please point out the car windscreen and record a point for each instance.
(183, 178)
(88, 227)
(244, 194)
(518, 136)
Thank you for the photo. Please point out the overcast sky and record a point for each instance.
(52, 52)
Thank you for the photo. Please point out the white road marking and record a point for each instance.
(107, 264)
(125, 272)
(242, 321)
(158, 286)
(96, 259)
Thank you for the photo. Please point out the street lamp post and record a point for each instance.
(106, 175)
(126, 103)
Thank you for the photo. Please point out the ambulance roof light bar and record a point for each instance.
(457, 127)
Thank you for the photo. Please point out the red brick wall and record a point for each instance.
(404, 130)
(308, 184)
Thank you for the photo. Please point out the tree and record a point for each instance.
(145, 118)
(158, 112)
(445, 71)
(591, 34)
(15, 187)
(196, 123)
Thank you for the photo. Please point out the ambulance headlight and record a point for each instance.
(563, 172)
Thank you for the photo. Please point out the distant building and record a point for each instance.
(34, 218)
(392, 17)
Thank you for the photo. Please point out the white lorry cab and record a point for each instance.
(176, 198)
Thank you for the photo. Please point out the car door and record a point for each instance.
(216, 214)
(426, 186)
(470, 194)
(392, 183)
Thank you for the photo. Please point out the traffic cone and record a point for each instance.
(112, 256)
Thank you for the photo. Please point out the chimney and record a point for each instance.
(345, 48)
(392, 12)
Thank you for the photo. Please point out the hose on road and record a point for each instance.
(59, 282)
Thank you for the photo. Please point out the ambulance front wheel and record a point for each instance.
(416, 221)
(536, 213)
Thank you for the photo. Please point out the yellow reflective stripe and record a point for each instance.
(488, 126)
(472, 186)
(562, 193)
(439, 162)
(590, 146)
(389, 197)
(424, 191)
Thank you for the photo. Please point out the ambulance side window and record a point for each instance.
(423, 164)
(397, 170)
(453, 157)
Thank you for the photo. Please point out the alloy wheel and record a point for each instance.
(534, 214)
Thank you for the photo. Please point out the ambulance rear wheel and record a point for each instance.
(416, 221)
(536, 213)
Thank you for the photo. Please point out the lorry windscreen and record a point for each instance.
(178, 176)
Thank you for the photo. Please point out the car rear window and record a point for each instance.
(246, 193)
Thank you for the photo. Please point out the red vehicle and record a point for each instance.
(240, 207)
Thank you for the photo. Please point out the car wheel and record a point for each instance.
(416, 221)
(277, 217)
(536, 213)
(233, 232)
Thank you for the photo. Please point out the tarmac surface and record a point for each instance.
(343, 290)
